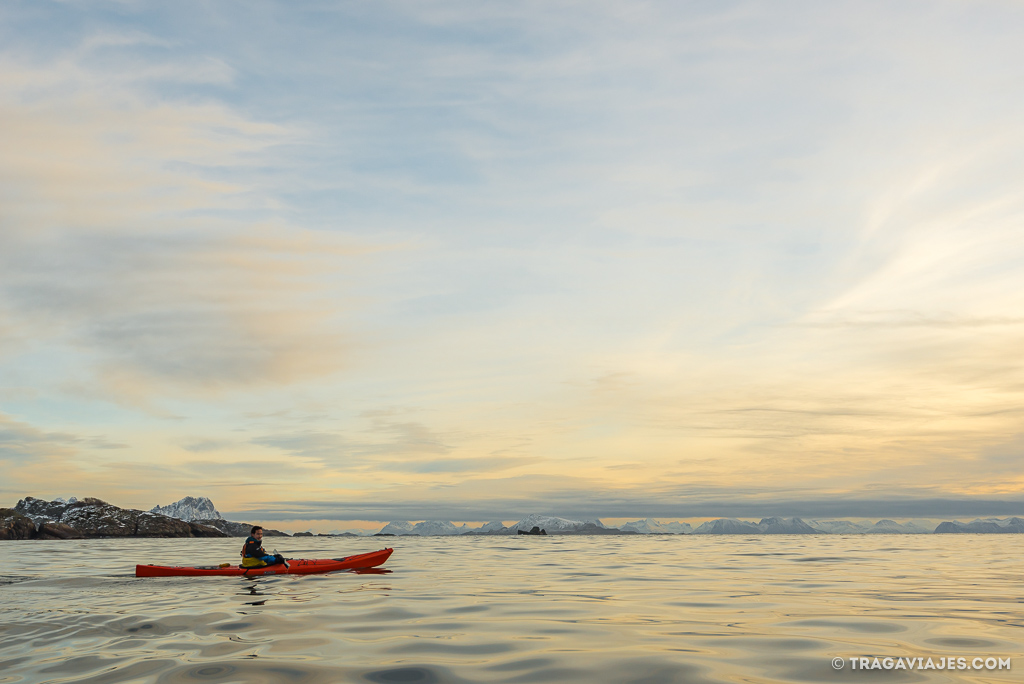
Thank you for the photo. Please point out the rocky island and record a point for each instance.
(92, 518)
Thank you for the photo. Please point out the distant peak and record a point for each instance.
(189, 508)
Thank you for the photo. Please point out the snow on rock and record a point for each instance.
(893, 527)
(41, 510)
(839, 526)
(93, 518)
(427, 528)
(989, 526)
(188, 509)
(727, 526)
(652, 526)
(552, 524)
(783, 526)
(438, 528)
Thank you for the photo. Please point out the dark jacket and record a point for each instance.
(253, 549)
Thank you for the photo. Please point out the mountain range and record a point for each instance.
(194, 516)
(774, 525)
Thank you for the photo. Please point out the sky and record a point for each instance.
(338, 263)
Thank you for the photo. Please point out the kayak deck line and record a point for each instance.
(298, 566)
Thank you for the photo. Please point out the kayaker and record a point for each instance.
(253, 555)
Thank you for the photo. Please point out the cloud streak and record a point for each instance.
(123, 244)
(520, 254)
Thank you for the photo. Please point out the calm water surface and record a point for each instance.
(516, 609)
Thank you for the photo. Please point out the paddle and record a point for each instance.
(283, 559)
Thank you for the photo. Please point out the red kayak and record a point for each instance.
(297, 566)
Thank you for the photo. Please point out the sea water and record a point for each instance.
(518, 609)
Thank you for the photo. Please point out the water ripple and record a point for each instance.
(571, 609)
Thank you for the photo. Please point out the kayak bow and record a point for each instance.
(297, 566)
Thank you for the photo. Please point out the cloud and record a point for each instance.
(777, 250)
(205, 445)
(384, 439)
(574, 503)
(25, 444)
(121, 244)
(21, 442)
(911, 319)
(179, 315)
(458, 465)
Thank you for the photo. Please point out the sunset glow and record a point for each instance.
(471, 261)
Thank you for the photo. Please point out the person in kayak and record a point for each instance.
(253, 555)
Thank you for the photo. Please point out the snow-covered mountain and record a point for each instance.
(397, 527)
(727, 526)
(840, 526)
(652, 526)
(1001, 522)
(774, 525)
(783, 526)
(986, 526)
(551, 524)
(438, 528)
(190, 508)
(427, 528)
(893, 527)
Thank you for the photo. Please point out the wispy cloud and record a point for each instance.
(379, 445)
(123, 244)
(516, 252)
(20, 441)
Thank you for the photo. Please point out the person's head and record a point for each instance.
(256, 532)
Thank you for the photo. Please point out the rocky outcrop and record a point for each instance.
(92, 518)
(48, 530)
(14, 525)
(237, 529)
(41, 510)
(534, 530)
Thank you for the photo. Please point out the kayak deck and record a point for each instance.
(298, 566)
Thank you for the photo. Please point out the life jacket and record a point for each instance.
(252, 561)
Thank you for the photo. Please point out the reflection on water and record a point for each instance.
(521, 609)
